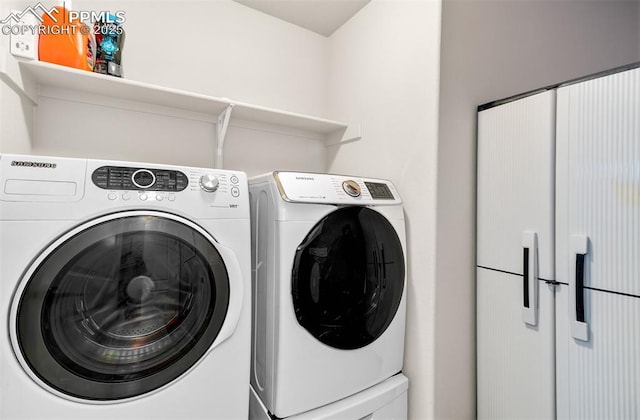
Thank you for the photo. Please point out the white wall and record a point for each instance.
(219, 48)
(491, 50)
(15, 122)
(384, 73)
(16, 113)
(4, 42)
(224, 49)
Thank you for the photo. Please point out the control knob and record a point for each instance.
(351, 187)
(209, 183)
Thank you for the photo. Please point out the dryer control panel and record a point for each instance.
(300, 187)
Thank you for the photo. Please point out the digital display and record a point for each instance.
(379, 191)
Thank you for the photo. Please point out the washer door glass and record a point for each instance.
(124, 306)
(348, 278)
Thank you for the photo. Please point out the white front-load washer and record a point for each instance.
(124, 290)
(328, 260)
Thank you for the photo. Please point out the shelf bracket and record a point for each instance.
(11, 75)
(221, 129)
(353, 132)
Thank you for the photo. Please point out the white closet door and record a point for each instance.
(516, 144)
(515, 324)
(598, 247)
(515, 374)
(599, 379)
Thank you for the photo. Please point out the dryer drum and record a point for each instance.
(348, 277)
(123, 307)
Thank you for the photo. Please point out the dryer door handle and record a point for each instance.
(236, 295)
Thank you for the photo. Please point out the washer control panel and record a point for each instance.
(135, 179)
(135, 184)
(69, 188)
(335, 189)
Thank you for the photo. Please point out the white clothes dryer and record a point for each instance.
(328, 260)
(384, 401)
(125, 289)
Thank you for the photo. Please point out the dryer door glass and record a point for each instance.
(348, 278)
(123, 306)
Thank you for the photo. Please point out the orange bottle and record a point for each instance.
(66, 42)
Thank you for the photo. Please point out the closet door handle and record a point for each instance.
(525, 277)
(580, 287)
(579, 249)
(530, 277)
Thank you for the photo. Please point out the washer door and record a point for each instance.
(348, 278)
(122, 305)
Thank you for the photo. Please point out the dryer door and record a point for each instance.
(121, 306)
(348, 278)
